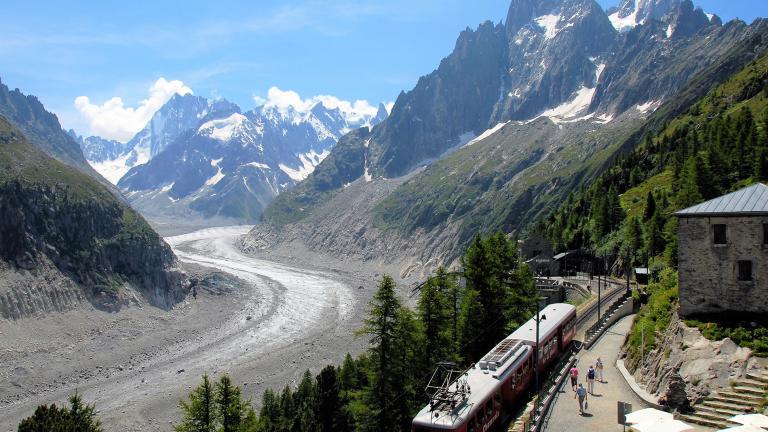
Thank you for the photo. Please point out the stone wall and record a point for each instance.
(708, 273)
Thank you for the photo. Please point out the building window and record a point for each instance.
(765, 233)
(745, 270)
(720, 234)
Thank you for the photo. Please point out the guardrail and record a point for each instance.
(620, 308)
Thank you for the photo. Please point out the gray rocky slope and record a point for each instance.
(514, 119)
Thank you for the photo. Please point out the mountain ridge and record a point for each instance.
(506, 176)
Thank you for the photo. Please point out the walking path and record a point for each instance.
(601, 416)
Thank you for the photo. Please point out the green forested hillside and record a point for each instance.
(52, 212)
(719, 145)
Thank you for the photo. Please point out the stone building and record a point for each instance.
(723, 255)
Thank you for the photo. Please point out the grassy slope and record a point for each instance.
(31, 170)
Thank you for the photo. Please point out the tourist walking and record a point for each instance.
(591, 380)
(581, 394)
(574, 377)
(599, 370)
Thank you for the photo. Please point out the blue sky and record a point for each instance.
(352, 49)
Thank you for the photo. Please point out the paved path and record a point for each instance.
(601, 416)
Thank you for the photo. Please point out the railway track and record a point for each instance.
(588, 312)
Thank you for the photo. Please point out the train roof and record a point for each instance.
(485, 376)
(554, 313)
(483, 379)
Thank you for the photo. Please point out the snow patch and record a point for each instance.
(259, 165)
(648, 106)
(603, 119)
(487, 133)
(624, 24)
(167, 187)
(222, 129)
(216, 177)
(599, 72)
(113, 170)
(308, 163)
(670, 31)
(574, 107)
(709, 16)
(549, 24)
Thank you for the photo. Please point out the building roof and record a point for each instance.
(641, 270)
(752, 200)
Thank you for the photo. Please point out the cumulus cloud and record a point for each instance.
(113, 120)
(285, 99)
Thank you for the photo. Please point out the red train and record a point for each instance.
(477, 399)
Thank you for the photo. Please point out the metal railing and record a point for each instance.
(594, 328)
(546, 394)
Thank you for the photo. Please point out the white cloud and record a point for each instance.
(285, 99)
(113, 120)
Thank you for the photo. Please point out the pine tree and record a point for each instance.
(688, 191)
(481, 269)
(328, 400)
(82, 416)
(232, 411)
(471, 326)
(650, 207)
(633, 239)
(305, 400)
(433, 310)
(381, 327)
(407, 376)
(199, 413)
(77, 418)
(287, 409)
(269, 415)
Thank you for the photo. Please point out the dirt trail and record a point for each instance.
(135, 365)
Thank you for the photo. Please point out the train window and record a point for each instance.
(481, 416)
(472, 426)
(489, 407)
(497, 399)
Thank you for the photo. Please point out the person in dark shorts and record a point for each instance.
(581, 395)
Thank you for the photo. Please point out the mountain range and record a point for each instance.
(517, 117)
(206, 158)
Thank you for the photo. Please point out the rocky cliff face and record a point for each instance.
(58, 224)
(686, 367)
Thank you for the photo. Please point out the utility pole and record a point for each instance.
(629, 269)
(599, 294)
(539, 319)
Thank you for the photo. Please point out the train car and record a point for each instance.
(476, 401)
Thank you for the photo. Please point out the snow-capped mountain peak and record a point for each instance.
(632, 13)
(225, 128)
(232, 163)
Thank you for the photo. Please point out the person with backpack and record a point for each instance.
(591, 380)
(581, 394)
